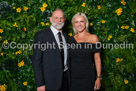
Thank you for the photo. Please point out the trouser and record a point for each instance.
(65, 83)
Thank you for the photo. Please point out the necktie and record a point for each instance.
(61, 48)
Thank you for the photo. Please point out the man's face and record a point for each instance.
(57, 19)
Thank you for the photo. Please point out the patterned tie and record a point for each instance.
(61, 48)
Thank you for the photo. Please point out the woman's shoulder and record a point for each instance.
(93, 38)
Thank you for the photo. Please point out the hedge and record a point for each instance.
(113, 21)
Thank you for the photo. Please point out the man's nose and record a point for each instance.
(59, 19)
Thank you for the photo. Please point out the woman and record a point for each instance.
(83, 76)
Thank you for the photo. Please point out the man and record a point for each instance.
(51, 65)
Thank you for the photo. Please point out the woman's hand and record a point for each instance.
(41, 88)
(97, 84)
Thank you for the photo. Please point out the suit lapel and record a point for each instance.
(65, 36)
(52, 39)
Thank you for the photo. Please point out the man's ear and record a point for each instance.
(65, 19)
(50, 19)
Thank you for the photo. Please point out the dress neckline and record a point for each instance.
(81, 42)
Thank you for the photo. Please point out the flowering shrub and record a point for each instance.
(113, 21)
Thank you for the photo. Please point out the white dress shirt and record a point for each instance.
(55, 33)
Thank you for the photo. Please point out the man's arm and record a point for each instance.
(37, 61)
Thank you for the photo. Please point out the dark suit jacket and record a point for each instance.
(47, 64)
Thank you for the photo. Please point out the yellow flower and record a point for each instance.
(42, 9)
(124, 3)
(132, 30)
(126, 27)
(22, 63)
(126, 81)
(25, 83)
(16, 53)
(24, 28)
(1, 54)
(3, 87)
(121, 59)
(109, 37)
(25, 8)
(0, 37)
(103, 21)
(15, 24)
(118, 11)
(117, 60)
(18, 10)
(123, 27)
(42, 23)
(99, 7)
(47, 24)
(19, 65)
(19, 52)
(14, 7)
(45, 5)
(91, 24)
(70, 34)
(1, 30)
(83, 5)
(5, 42)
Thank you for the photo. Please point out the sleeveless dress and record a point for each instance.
(82, 65)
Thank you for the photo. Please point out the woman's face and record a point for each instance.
(80, 23)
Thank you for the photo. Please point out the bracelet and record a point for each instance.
(98, 77)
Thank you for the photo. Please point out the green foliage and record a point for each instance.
(113, 73)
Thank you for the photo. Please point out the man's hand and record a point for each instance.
(41, 88)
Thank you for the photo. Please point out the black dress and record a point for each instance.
(82, 68)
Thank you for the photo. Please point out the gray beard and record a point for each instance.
(60, 26)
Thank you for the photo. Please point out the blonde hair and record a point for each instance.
(80, 14)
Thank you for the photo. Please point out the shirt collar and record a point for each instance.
(54, 30)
